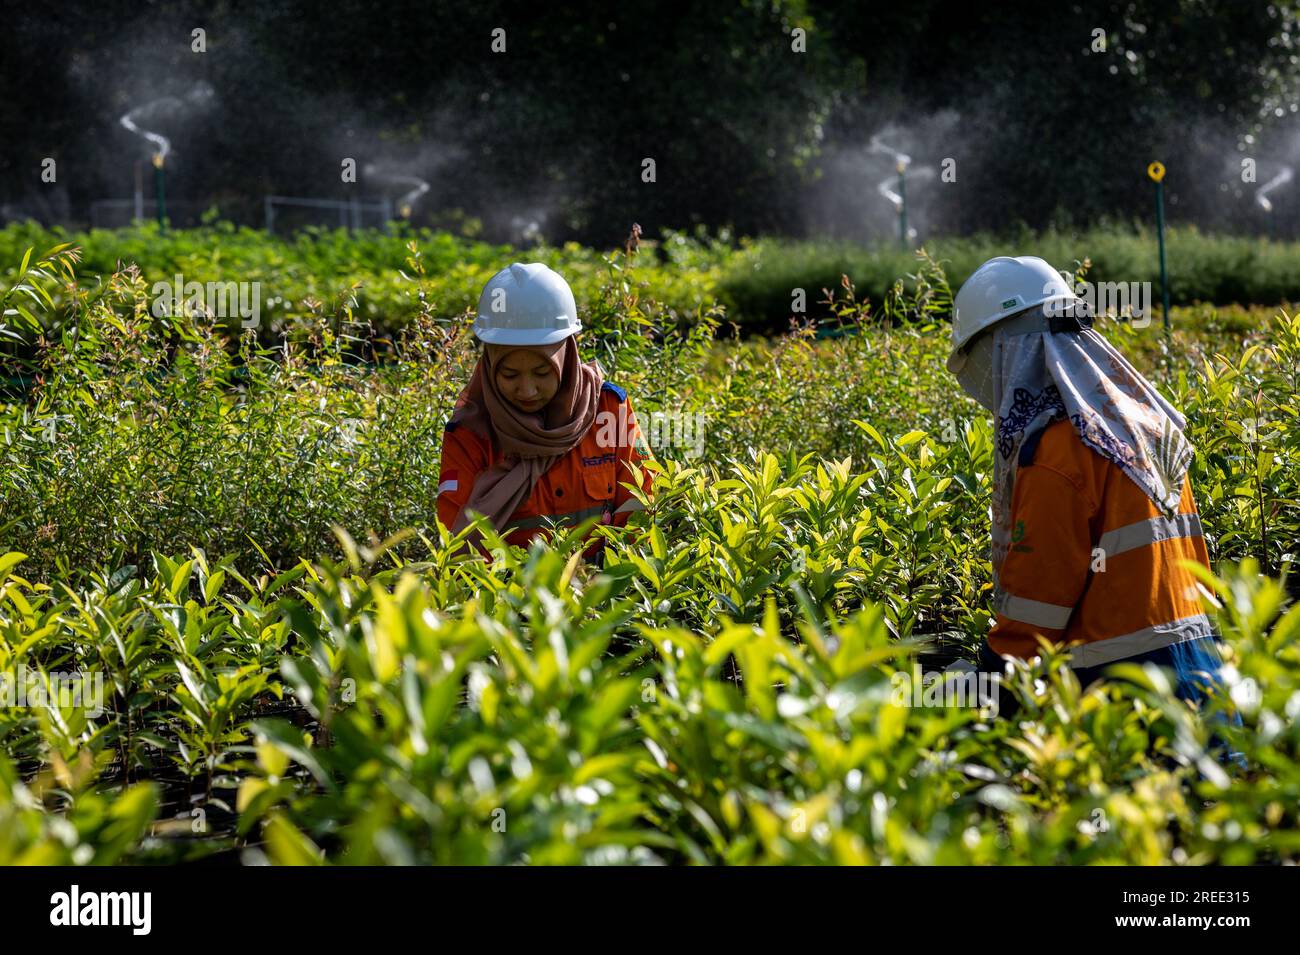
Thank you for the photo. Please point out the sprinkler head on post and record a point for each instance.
(903, 232)
(157, 160)
(1157, 173)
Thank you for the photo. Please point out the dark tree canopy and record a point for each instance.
(1042, 125)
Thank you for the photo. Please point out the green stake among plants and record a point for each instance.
(1157, 173)
(158, 179)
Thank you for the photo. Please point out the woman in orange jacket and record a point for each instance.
(537, 438)
(1093, 513)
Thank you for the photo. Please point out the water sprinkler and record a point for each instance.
(199, 96)
(160, 191)
(897, 199)
(902, 204)
(1281, 179)
(1261, 196)
(162, 146)
(1157, 173)
(407, 200)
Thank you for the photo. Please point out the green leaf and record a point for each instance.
(8, 562)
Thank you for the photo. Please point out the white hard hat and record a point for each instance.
(999, 288)
(526, 305)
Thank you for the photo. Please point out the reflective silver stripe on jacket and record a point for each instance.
(1141, 641)
(1144, 533)
(1033, 612)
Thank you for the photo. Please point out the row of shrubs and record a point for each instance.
(1221, 270)
(301, 666)
(533, 711)
(274, 445)
(755, 280)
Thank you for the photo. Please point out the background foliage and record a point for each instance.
(1045, 129)
(302, 666)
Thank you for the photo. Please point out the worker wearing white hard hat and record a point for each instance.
(526, 305)
(1092, 505)
(537, 437)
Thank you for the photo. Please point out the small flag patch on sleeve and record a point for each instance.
(450, 482)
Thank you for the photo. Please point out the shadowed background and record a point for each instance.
(547, 139)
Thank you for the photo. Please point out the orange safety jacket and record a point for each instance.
(585, 482)
(1091, 559)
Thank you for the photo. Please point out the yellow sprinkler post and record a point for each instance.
(1157, 173)
(160, 191)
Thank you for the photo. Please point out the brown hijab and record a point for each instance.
(529, 443)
